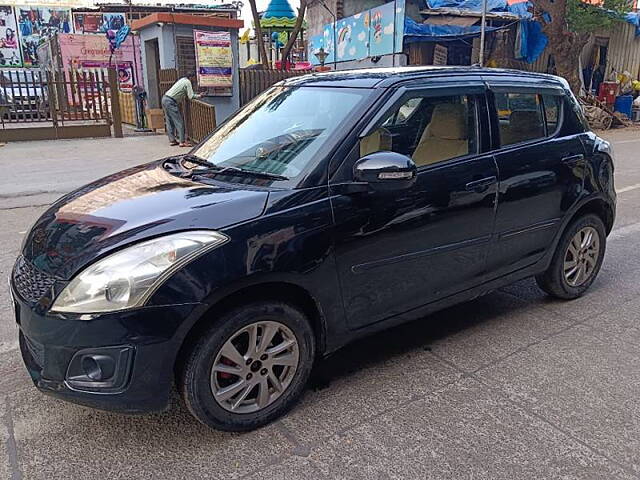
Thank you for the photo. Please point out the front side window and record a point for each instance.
(282, 130)
(427, 129)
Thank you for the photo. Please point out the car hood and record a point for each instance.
(129, 206)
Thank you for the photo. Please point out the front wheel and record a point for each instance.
(577, 259)
(250, 367)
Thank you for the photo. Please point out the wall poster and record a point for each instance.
(9, 45)
(214, 60)
(98, 22)
(36, 25)
(371, 33)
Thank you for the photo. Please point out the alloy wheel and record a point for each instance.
(254, 367)
(581, 257)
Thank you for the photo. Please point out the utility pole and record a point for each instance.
(483, 27)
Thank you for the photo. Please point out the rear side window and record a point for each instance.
(551, 106)
(427, 129)
(520, 117)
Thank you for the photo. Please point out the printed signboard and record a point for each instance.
(98, 22)
(214, 60)
(90, 52)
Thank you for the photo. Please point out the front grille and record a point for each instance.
(30, 283)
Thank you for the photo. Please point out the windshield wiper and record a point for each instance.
(236, 171)
(189, 157)
(211, 168)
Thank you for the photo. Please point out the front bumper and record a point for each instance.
(142, 343)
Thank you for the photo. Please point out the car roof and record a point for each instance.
(394, 76)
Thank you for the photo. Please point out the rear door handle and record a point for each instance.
(572, 160)
(480, 184)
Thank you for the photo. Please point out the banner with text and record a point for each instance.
(214, 60)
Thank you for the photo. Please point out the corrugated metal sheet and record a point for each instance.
(624, 50)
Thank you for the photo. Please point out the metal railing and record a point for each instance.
(30, 96)
(39, 105)
(254, 82)
(201, 119)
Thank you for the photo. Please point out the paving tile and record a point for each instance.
(384, 371)
(291, 468)
(5, 465)
(365, 379)
(13, 374)
(60, 440)
(8, 327)
(493, 327)
(463, 431)
(583, 382)
(621, 322)
(612, 287)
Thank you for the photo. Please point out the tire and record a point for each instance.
(197, 381)
(554, 281)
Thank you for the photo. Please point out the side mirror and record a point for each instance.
(385, 171)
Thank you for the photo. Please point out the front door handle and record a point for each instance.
(480, 185)
(572, 160)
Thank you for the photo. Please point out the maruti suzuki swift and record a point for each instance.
(331, 206)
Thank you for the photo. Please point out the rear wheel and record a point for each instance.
(250, 367)
(577, 259)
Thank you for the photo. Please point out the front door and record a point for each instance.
(541, 167)
(399, 251)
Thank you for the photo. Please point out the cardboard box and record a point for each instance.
(155, 118)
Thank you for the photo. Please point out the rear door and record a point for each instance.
(541, 172)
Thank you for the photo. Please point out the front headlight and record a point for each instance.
(127, 278)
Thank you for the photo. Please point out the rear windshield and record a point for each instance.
(282, 131)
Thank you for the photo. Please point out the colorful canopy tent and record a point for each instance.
(278, 15)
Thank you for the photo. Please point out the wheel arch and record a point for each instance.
(593, 204)
(267, 290)
(596, 206)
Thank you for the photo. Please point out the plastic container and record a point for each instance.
(623, 104)
(607, 92)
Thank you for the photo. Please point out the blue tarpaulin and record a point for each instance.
(634, 19)
(532, 41)
(473, 5)
(425, 32)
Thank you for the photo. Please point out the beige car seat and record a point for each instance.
(523, 125)
(445, 137)
(377, 141)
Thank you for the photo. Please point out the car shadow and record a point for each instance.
(371, 351)
(383, 346)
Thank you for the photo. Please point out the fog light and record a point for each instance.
(91, 368)
(104, 368)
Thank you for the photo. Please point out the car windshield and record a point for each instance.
(282, 130)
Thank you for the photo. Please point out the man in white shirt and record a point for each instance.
(170, 104)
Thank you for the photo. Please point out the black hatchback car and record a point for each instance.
(330, 207)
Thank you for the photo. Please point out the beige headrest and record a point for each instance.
(448, 122)
(524, 121)
(377, 141)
